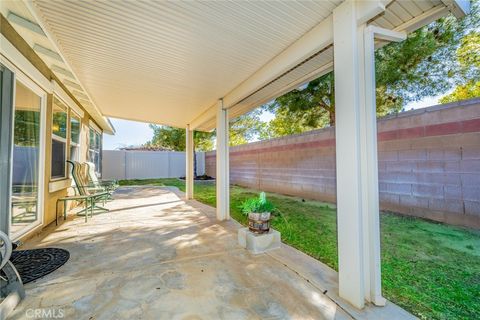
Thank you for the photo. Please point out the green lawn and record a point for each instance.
(430, 269)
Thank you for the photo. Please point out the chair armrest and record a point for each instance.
(93, 188)
(99, 194)
(68, 198)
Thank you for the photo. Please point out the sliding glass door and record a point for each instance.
(26, 175)
(22, 127)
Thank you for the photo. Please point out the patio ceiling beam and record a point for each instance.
(326, 68)
(310, 43)
(423, 19)
(320, 37)
(204, 117)
(313, 41)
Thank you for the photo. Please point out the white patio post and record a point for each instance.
(370, 161)
(189, 174)
(223, 171)
(356, 154)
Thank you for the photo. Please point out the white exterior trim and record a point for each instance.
(76, 115)
(92, 125)
(189, 170)
(62, 95)
(223, 171)
(32, 26)
(15, 61)
(347, 133)
(61, 184)
(423, 19)
(53, 41)
(294, 84)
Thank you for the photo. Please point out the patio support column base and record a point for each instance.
(189, 174)
(223, 171)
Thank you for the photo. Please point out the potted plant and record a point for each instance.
(259, 211)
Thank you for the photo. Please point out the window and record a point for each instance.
(59, 139)
(95, 150)
(74, 137)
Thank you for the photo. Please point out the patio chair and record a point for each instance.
(85, 192)
(81, 178)
(109, 185)
(11, 285)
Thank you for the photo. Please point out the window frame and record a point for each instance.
(57, 138)
(78, 144)
(97, 131)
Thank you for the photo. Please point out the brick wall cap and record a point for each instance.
(451, 105)
(285, 140)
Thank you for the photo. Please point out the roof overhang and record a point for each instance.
(169, 62)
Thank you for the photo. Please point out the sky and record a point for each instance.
(128, 133)
(132, 133)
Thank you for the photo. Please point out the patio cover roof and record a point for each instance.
(170, 62)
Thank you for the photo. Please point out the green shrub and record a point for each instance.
(259, 205)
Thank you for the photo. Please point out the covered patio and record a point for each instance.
(159, 256)
(196, 65)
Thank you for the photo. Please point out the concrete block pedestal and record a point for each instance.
(258, 243)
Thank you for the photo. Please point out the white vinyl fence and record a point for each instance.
(123, 164)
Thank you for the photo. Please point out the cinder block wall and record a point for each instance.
(429, 163)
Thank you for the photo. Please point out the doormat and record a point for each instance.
(36, 263)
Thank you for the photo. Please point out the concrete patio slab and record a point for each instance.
(156, 256)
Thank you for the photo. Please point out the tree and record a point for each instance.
(311, 102)
(243, 129)
(246, 128)
(468, 55)
(425, 64)
(169, 138)
(174, 139)
(288, 122)
(462, 92)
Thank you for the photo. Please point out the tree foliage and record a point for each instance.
(310, 107)
(246, 128)
(465, 91)
(468, 55)
(243, 129)
(174, 138)
(427, 63)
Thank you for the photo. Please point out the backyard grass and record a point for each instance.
(430, 269)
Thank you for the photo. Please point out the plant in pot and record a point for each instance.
(259, 211)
